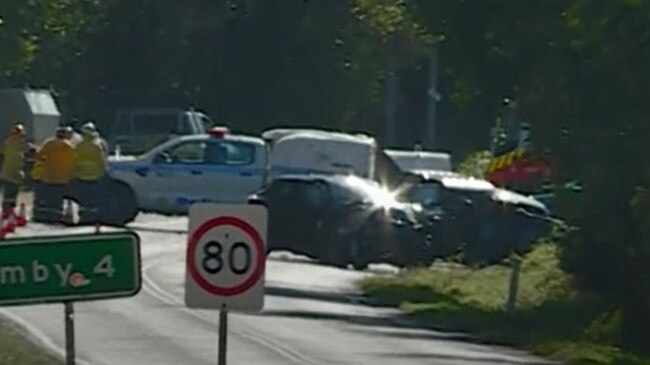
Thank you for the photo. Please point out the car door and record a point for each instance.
(177, 174)
(232, 170)
(296, 214)
(282, 205)
(312, 214)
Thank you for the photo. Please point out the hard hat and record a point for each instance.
(88, 128)
(64, 132)
(18, 129)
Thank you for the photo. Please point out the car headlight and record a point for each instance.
(398, 216)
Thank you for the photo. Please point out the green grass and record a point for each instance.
(550, 320)
(15, 349)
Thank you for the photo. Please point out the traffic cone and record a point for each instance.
(3, 232)
(10, 223)
(21, 218)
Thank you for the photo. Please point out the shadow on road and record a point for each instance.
(393, 318)
(334, 297)
(385, 322)
(453, 359)
(392, 323)
(395, 326)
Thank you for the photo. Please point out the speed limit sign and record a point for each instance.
(225, 257)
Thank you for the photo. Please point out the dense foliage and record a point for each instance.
(577, 68)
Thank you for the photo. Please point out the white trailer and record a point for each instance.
(320, 151)
(409, 161)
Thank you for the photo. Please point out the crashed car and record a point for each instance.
(340, 220)
(472, 216)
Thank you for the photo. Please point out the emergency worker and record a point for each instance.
(53, 171)
(90, 167)
(11, 174)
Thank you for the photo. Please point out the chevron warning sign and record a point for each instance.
(504, 160)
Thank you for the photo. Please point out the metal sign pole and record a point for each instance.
(69, 334)
(223, 334)
(69, 325)
(514, 285)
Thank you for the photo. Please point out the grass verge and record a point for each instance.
(550, 320)
(15, 349)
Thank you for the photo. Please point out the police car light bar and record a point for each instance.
(218, 132)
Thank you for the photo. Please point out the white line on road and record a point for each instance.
(39, 336)
(153, 289)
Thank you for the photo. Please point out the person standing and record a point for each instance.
(53, 170)
(12, 174)
(90, 167)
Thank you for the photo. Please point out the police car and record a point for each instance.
(213, 167)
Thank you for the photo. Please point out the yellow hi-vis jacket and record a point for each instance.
(14, 157)
(89, 159)
(54, 162)
(37, 169)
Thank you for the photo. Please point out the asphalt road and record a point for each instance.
(312, 316)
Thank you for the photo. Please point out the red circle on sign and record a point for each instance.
(259, 248)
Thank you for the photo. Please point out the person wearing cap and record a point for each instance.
(11, 174)
(90, 167)
(53, 171)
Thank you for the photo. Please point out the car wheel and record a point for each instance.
(122, 208)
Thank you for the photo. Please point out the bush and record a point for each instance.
(609, 255)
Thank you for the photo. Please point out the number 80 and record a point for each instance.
(213, 257)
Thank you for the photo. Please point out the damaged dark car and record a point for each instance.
(473, 217)
(340, 221)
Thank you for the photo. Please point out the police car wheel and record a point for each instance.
(122, 208)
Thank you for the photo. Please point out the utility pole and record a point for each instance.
(433, 98)
(392, 92)
(391, 104)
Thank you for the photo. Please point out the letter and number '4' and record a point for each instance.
(105, 266)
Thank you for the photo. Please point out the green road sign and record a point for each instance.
(69, 268)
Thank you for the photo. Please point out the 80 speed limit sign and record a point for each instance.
(225, 257)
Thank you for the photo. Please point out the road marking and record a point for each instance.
(156, 291)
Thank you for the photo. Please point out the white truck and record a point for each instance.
(35, 108)
(223, 167)
(136, 130)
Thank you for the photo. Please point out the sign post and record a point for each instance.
(69, 333)
(513, 288)
(225, 261)
(223, 335)
(69, 268)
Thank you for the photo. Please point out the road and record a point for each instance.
(313, 316)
